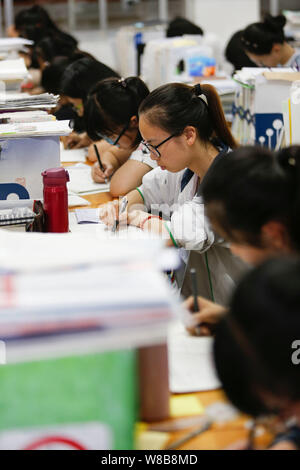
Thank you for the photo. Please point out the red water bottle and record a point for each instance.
(56, 199)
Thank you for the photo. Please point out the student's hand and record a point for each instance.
(98, 175)
(202, 323)
(109, 213)
(283, 445)
(137, 217)
(75, 141)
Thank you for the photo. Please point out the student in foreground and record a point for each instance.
(111, 114)
(185, 131)
(257, 348)
(252, 200)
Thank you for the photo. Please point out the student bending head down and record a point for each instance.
(257, 344)
(184, 129)
(253, 200)
(111, 114)
(266, 45)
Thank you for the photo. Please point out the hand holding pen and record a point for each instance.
(101, 166)
(122, 209)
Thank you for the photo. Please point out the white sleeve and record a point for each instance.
(190, 227)
(155, 193)
(140, 155)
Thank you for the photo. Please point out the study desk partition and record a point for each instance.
(218, 436)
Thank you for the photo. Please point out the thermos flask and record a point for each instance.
(56, 199)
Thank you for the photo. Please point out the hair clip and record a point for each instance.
(292, 161)
(123, 83)
(199, 93)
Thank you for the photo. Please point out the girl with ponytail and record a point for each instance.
(185, 131)
(266, 45)
(111, 114)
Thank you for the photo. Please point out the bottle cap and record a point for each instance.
(55, 176)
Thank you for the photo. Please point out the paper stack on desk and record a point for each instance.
(14, 44)
(12, 101)
(65, 285)
(35, 129)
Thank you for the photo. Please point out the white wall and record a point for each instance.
(223, 17)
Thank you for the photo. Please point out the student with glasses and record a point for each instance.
(111, 114)
(185, 131)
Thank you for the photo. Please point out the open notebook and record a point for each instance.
(81, 180)
(191, 367)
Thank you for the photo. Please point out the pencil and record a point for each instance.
(124, 203)
(194, 289)
(99, 161)
(190, 435)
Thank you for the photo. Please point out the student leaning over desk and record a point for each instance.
(185, 131)
(111, 113)
(266, 45)
(252, 199)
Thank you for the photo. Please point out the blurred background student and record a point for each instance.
(265, 44)
(76, 82)
(111, 114)
(252, 200)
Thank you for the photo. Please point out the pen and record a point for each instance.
(194, 289)
(190, 435)
(99, 161)
(123, 206)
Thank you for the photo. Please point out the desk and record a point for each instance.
(219, 436)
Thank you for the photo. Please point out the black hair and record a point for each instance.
(111, 104)
(54, 45)
(180, 26)
(35, 23)
(235, 53)
(253, 343)
(80, 76)
(174, 106)
(252, 186)
(53, 73)
(259, 38)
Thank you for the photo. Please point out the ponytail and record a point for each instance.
(259, 38)
(111, 104)
(174, 106)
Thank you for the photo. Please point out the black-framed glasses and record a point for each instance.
(153, 148)
(111, 141)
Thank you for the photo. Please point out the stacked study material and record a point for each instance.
(57, 289)
(24, 101)
(31, 129)
(14, 44)
(12, 74)
(26, 116)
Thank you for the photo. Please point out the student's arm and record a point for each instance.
(128, 177)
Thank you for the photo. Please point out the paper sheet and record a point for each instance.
(72, 155)
(151, 440)
(87, 216)
(81, 180)
(191, 365)
(186, 405)
(75, 200)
